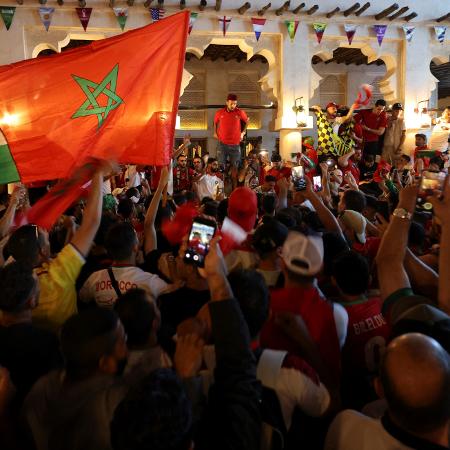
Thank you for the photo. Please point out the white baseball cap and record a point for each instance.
(303, 254)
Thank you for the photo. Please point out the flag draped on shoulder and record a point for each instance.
(100, 101)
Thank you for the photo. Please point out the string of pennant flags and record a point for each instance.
(84, 14)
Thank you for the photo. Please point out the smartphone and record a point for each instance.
(430, 182)
(317, 183)
(200, 236)
(298, 178)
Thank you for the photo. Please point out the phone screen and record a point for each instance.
(317, 183)
(431, 182)
(198, 243)
(298, 178)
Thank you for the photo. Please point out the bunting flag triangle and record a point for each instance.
(122, 16)
(380, 31)
(350, 31)
(409, 32)
(84, 14)
(258, 25)
(46, 15)
(192, 20)
(319, 28)
(292, 26)
(440, 32)
(7, 13)
(157, 14)
(224, 24)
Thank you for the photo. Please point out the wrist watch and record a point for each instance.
(402, 213)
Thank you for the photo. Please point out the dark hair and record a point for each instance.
(232, 97)
(16, 286)
(369, 158)
(25, 244)
(415, 419)
(351, 272)
(294, 213)
(211, 208)
(211, 160)
(181, 155)
(333, 245)
(269, 236)
(354, 200)
(421, 135)
(380, 102)
(251, 292)
(275, 157)
(269, 204)
(371, 201)
(85, 338)
(156, 414)
(137, 315)
(286, 219)
(438, 161)
(179, 198)
(120, 240)
(125, 208)
(222, 210)
(270, 179)
(133, 192)
(106, 222)
(407, 158)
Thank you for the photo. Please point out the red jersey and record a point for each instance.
(353, 168)
(228, 125)
(426, 160)
(182, 179)
(369, 119)
(367, 334)
(280, 173)
(369, 250)
(318, 316)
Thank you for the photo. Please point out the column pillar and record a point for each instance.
(295, 66)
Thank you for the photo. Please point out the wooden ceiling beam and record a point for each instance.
(398, 13)
(365, 7)
(352, 9)
(386, 11)
(299, 7)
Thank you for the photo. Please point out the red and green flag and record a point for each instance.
(99, 101)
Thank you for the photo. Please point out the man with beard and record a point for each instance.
(211, 183)
(230, 124)
(374, 123)
(72, 408)
(182, 175)
(329, 142)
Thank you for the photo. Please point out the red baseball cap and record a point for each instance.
(243, 208)
(332, 104)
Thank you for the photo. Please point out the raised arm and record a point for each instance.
(7, 220)
(423, 278)
(391, 254)
(182, 147)
(325, 215)
(343, 160)
(150, 242)
(84, 236)
(442, 210)
(233, 418)
(349, 115)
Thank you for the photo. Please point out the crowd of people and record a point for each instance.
(319, 318)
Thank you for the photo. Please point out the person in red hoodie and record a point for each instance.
(302, 260)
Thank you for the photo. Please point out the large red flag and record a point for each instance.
(117, 98)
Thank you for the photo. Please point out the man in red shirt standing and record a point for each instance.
(374, 123)
(230, 124)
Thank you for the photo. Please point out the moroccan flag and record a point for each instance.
(100, 100)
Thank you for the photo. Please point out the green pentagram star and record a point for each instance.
(93, 90)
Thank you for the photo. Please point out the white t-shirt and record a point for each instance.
(133, 176)
(394, 133)
(207, 186)
(99, 287)
(439, 137)
(351, 430)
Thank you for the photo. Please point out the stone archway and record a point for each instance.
(387, 83)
